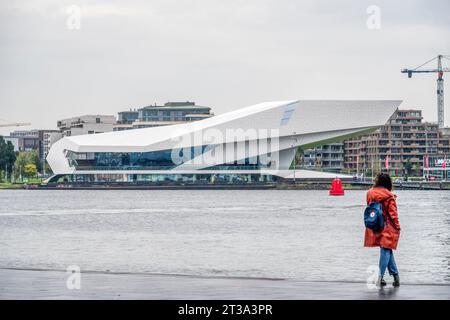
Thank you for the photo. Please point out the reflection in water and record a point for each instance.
(304, 235)
(387, 292)
(447, 245)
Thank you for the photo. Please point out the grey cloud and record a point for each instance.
(226, 54)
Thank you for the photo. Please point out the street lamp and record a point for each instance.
(425, 166)
(294, 141)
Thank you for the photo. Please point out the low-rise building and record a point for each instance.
(35, 139)
(87, 124)
(167, 114)
(125, 119)
(438, 168)
(25, 133)
(27, 140)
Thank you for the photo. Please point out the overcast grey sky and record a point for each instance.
(223, 54)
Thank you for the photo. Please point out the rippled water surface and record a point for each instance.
(259, 233)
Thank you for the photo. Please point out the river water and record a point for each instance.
(304, 235)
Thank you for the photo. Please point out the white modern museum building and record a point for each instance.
(255, 143)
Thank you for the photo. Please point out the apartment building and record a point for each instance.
(167, 114)
(329, 157)
(400, 147)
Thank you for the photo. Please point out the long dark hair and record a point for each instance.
(383, 180)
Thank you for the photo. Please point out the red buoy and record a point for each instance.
(336, 188)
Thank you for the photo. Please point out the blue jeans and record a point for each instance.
(387, 261)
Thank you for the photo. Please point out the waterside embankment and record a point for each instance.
(312, 184)
(51, 284)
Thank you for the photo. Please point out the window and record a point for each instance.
(132, 160)
(97, 120)
(287, 114)
(157, 160)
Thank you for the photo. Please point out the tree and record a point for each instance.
(33, 157)
(408, 167)
(7, 157)
(23, 159)
(30, 170)
(48, 169)
(416, 169)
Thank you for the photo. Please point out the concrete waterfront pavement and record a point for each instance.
(50, 284)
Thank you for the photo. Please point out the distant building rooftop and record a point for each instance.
(172, 112)
(177, 106)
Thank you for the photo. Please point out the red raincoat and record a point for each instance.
(388, 237)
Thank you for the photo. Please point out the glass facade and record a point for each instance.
(164, 179)
(128, 116)
(155, 160)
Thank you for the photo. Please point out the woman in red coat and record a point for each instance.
(387, 238)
